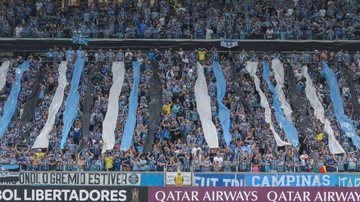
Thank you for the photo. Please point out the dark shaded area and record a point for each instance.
(348, 74)
(256, 45)
(154, 106)
(86, 106)
(239, 91)
(30, 106)
(301, 115)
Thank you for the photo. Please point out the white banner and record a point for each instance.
(3, 72)
(170, 178)
(109, 123)
(251, 67)
(203, 106)
(279, 77)
(310, 91)
(78, 178)
(42, 141)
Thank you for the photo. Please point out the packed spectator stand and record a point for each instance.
(185, 19)
(179, 142)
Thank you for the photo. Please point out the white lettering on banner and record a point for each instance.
(349, 181)
(65, 195)
(170, 178)
(213, 182)
(176, 196)
(337, 196)
(230, 196)
(78, 178)
(274, 196)
(291, 180)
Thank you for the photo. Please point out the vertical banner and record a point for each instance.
(279, 77)
(133, 104)
(284, 123)
(224, 114)
(203, 106)
(11, 102)
(42, 141)
(72, 101)
(251, 67)
(109, 123)
(310, 92)
(346, 124)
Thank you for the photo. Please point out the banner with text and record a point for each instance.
(218, 180)
(302, 180)
(72, 193)
(253, 194)
(78, 178)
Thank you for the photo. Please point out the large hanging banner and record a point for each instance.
(253, 194)
(346, 124)
(203, 106)
(72, 101)
(4, 68)
(319, 113)
(251, 67)
(279, 77)
(109, 123)
(90, 193)
(284, 123)
(42, 141)
(133, 104)
(11, 102)
(224, 114)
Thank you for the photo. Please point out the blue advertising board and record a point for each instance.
(302, 180)
(219, 180)
(152, 179)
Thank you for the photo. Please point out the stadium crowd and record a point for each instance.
(275, 19)
(179, 143)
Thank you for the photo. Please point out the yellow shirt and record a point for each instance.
(109, 162)
(179, 180)
(202, 55)
(167, 108)
(40, 154)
